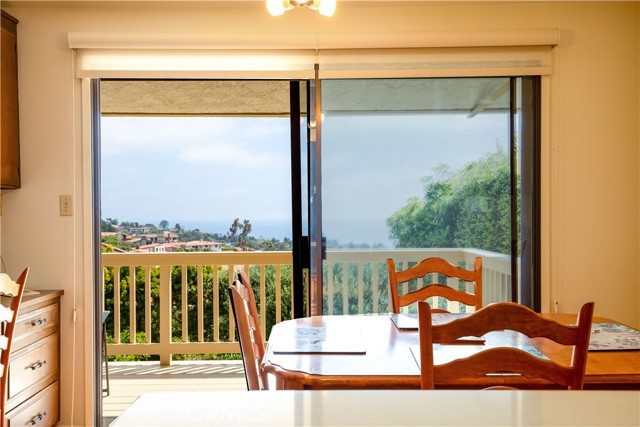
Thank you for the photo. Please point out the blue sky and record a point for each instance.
(194, 170)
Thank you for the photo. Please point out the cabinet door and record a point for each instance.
(10, 138)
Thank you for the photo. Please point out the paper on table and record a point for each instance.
(319, 340)
(409, 322)
(613, 336)
(447, 353)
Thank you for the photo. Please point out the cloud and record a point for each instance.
(195, 168)
(200, 140)
(222, 152)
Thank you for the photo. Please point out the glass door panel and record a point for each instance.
(413, 168)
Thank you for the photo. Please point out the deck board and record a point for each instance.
(128, 380)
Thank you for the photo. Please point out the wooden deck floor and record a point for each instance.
(128, 380)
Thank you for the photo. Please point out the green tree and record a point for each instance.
(233, 230)
(114, 242)
(246, 230)
(164, 224)
(466, 208)
(108, 224)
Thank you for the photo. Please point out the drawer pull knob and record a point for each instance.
(38, 365)
(38, 418)
(38, 322)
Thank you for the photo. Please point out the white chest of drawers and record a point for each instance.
(34, 374)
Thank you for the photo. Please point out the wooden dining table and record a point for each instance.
(370, 352)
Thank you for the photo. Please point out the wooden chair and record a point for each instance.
(441, 266)
(245, 313)
(11, 293)
(504, 316)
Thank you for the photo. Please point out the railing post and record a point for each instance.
(132, 304)
(345, 287)
(147, 304)
(232, 321)
(216, 304)
(263, 300)
(375, 287)
(116, 304)
(330, 291)
(200, 304)
(454, 306)
(165, 315)
(185, 307)
(279, 294)
(360, 273)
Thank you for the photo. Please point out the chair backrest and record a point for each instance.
(440, 266)
(11, 293)
(245, 313)
(497, 317)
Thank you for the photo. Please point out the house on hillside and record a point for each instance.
(139, 230)
(168, 237)
(153, 248)
(203, 245)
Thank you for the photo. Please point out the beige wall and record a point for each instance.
(592, 192)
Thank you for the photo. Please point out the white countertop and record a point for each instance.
(384, 408)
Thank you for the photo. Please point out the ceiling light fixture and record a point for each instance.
(278, 7)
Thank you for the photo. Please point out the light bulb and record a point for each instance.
(327, 7)
(277, 7)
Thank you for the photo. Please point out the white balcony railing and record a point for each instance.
(370, 268)
(180, 304)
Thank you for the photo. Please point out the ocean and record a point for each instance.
(345, 231)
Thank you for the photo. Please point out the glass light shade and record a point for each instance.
(327, 7)
(278, 7)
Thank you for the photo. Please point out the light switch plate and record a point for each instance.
(66, 205)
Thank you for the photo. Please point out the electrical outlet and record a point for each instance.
(66, 205)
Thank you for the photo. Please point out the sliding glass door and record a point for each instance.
(413, 168)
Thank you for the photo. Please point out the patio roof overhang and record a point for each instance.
(271, 97)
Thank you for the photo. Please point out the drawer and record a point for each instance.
(40, 410)
(33, 364)
(36, 324)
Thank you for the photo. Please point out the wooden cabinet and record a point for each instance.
(9, 127)
(34, 373)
